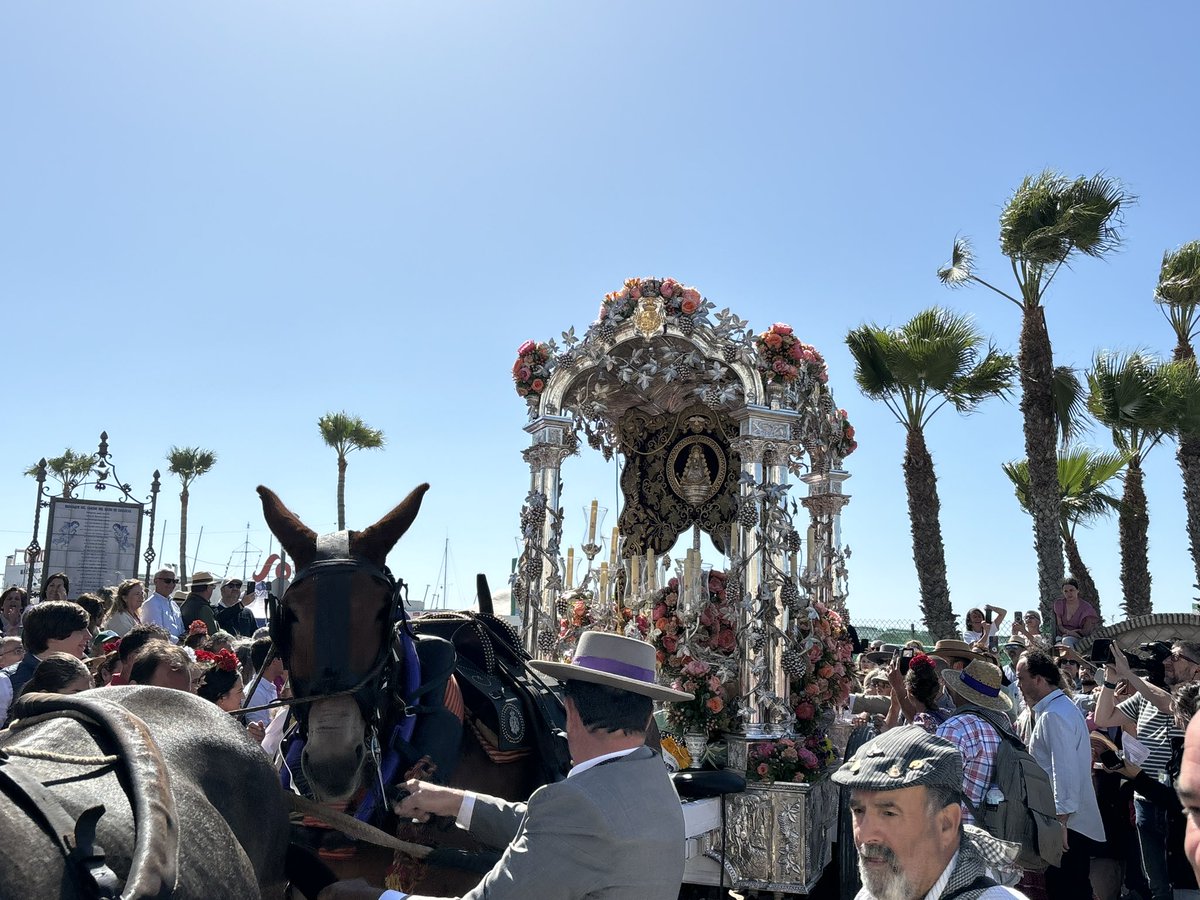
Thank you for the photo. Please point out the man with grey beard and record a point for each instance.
(905, 789)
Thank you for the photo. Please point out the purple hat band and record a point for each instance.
(615, 667)
(986, 690)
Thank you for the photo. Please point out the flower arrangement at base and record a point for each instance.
(698, 657)
(799, 759)
(532, 368)
(783, 358)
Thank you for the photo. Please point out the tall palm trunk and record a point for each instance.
(929, 554)
(183, 505)
(1188, 455)
(1133, 523)
(1087, 587)
(1036, 362)
(341, 498)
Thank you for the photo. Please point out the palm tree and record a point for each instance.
(344, 433)
(1083, 474)
(70, 470)
(188, 463)
(1048, 220)
(1178, 294)
(934, 359)
(1131, 395)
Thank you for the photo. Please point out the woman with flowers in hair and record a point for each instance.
(915, 694)
(221, 682)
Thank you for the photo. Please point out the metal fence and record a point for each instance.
(900, 631)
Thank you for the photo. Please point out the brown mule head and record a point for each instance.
(310, 634)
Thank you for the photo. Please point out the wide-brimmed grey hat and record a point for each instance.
(615, 661)
(904, 757)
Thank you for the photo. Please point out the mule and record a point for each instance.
(185, 801)
(349, 650)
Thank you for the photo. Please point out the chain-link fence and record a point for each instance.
(900, 631)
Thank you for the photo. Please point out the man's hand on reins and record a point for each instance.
(420, 800)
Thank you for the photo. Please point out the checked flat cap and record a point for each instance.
(902, 758)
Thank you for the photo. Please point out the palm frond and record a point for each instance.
(1178, 291)
(871, 371)
(962, 264)
(1070, 403)
(992, 376)
(1049, 217)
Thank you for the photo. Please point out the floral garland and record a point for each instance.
(575, 617)
(825, 681)
(701, 662)
(532, 368)
(790, 759)
(226, 660)
(783, 356)
(111, 646)
(678, 300)
(844, 444)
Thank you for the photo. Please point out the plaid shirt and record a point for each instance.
(978, 742)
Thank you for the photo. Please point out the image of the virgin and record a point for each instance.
(694, 472)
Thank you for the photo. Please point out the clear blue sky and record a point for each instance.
(219, 221)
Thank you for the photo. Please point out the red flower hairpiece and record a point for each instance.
(198, 627)
(920, 661)
(226, 661)
(111, 646)
(205, 656)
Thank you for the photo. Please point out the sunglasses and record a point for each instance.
(168, 580)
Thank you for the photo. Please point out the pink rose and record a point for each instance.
(815, 654)
(796, 352)
(689, 306)
(825, 671)
(762, 770)
(522, 390)
(696, 667)
(537, 385)
(805, 711)
(823, 377)
(660, 610)
(669, 643)
(667, 288)
(812, 690)
(526, 348)
(691, 295)
(808, 759)
(780, 328)
(635, 292)
(525, 373)
(780, 367)
(726, 639)
(772, 340)
(714, 684)
(673, 584)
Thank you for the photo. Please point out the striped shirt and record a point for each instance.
(1154, 729)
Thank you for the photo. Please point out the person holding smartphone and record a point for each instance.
(983, 625)
(1161, 791)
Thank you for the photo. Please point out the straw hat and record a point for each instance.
(979, 683)
(951, 650)
(614, 661)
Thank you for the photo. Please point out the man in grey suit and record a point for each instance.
(613, 829)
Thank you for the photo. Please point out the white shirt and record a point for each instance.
(163, 612)
(1059, 742)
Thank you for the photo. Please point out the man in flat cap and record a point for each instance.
(905, 793)
(613, 830)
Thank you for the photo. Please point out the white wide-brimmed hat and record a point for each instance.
(615, 661)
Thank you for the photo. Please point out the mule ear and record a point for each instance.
(374, 543)
(295, 537)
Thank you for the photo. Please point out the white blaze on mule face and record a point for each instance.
(335, 752)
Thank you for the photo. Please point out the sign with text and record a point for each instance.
(95, 542)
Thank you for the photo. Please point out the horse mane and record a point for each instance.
(372, 543)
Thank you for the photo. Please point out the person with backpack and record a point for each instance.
(905, 786)
(1057, 736)
(1007, 792)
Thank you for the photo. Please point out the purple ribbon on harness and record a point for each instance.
(615, 667)
(984, 689)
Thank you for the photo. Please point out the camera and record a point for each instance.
(1149, 658)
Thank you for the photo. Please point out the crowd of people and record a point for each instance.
(1109, 738)
(174, 638)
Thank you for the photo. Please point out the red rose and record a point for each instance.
(780, 328)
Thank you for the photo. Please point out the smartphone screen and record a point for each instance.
(1110, 760)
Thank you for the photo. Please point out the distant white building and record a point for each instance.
(17, 572)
